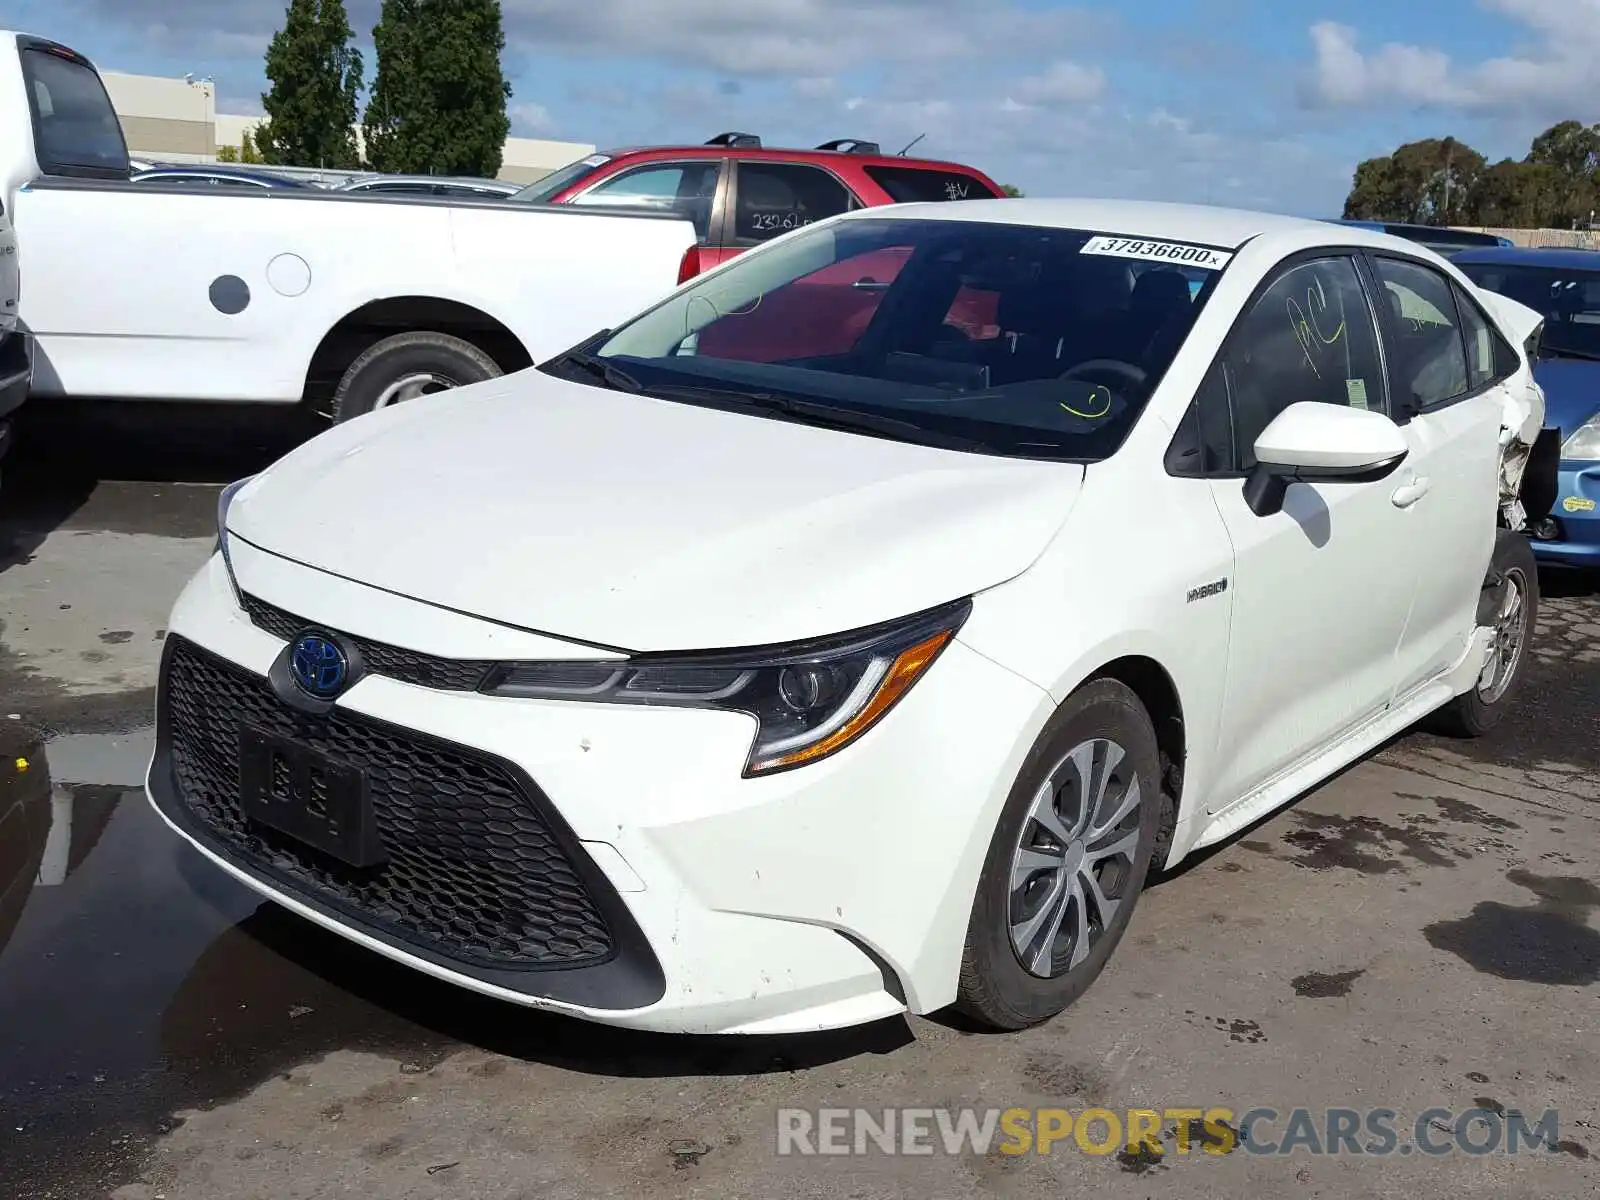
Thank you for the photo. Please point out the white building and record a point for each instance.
(176, 120)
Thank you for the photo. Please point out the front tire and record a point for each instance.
(406, 366)
(1067, 862)
(1511, 609)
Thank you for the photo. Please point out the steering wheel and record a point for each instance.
(1123, 373)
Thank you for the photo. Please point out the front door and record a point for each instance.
(1322, 589)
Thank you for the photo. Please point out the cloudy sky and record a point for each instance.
(1250, 102)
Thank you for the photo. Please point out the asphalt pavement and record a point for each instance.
(1421, 933)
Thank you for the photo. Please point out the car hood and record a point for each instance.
(644, 524)
(1571, 392)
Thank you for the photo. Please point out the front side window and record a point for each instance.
(1569, 301)
(1012, 339)
(1427, 353)
(542, 191)
(773, 198)
(1310, 336)
(685, 188)
(75, 127)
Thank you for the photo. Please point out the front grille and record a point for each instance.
(407, 666)
(474, 872)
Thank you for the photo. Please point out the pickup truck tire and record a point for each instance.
(407, 365)
(1509, 605)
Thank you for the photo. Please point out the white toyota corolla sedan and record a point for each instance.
(850, 633)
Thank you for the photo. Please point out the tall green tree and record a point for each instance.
(1428, 182)
(316, 77)
(438, 102)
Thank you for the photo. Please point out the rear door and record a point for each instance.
(768, 199)
(1447, 370)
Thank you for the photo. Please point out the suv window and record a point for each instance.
(687, 188)
(909, 185)
(1428, 358)
(772, 198)
(1310, 336)
(75, 128)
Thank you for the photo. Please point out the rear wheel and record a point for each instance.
(406, 366)
(1067, 861)
(1510, 608)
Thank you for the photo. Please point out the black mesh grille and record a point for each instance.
(408, 666)
(474, 872)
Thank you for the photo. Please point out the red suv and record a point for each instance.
(739, 193)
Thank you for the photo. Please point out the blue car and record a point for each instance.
(1564, 285)
(1447, 242)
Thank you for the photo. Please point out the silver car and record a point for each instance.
(427, 185)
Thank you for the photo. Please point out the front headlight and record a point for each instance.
(809, 699)
(224, 500)
(1585, 442)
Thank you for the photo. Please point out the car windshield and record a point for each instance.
(1569, 301)
(1008, 339)
(541, 190)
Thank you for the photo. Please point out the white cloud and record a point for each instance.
(528, 120)
(1557, 75)
(1062, 83)
(805, 38)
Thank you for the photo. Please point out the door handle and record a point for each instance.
(1409, 493)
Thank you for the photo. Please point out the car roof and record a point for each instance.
(467, 180)
(221, 170)
(1562, 258)
(786, 154)
(1208, 225)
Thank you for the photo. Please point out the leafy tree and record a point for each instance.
(1011, 189)
(438, 103)
(1445, 182)
(316, 76)
(244, 152)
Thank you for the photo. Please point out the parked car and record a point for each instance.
(701, 682)
(287, 295)
(16, 354)
(1563, 286)
(209, 176)
(1440, 240)
(740, 193)
(427, 185)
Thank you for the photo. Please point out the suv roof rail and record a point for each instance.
(742, 141)
(852, 146)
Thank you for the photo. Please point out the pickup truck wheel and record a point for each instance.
(406, 366)
(1511, 609)
(1067, 861)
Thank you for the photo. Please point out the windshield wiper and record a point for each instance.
(612, 376)
(826, 416)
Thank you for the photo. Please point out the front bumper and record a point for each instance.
(826, 896)
(1576, 517)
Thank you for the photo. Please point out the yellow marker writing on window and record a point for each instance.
(1097, 405)
(22, 765)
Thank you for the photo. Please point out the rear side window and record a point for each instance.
(1490, 357)
(774, 197)
(1428, 355)
(912, 185)
(75, 128)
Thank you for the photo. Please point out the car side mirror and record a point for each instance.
(1310, 442)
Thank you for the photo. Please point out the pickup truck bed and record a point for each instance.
(281, 295)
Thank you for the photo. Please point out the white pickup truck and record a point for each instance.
(344, 301)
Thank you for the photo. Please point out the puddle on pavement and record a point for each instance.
(137, 980)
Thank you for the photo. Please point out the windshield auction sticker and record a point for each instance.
(1176, 253)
